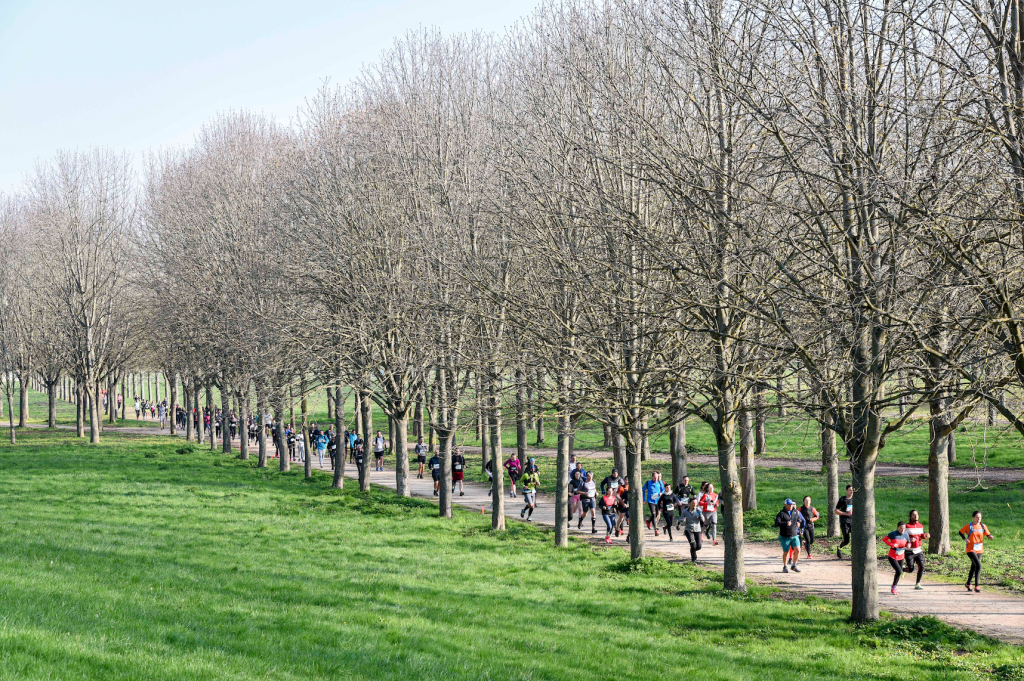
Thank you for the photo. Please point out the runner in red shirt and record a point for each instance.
(897, 542)
(915, 554)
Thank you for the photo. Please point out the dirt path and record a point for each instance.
(991, 613)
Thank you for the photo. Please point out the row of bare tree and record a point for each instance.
(637, 213)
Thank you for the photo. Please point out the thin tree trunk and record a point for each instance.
(618, 444)
(863, 549)
(95, 420)
(497, 457)
(22, 401)
(731, 496)
(51, 403)
(281, 442)
(358, 426)
(209, 408)
(261, 427)
(677, 450)
(225, 422)
(748, 475)
(79, 408)
(522, 424)
(634, 470)
(400, 443)
(307, 465)
(330, 404)
(189, 423)
(367, 419)
(172, 408)
(243, 423)
(562, 478)
(341, 442)
(830, 461)
(938, 482)
(484, 434)
(10, 411)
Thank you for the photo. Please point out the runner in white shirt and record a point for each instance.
(588, 501)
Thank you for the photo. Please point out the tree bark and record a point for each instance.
(243, 423)
(280, 440)
(863, 551)
(830, 461)
(172, 408)
(22, 401)
(79, 408)
(634, 471)
(189, 423)
(938, 483)
(51, 400)
(95, 420)
(748, 475)
(209, 408)
(10, 411)
(261, 430)
(618, 445)
(307, 465)
(561, 496)
(225, 411)
(521, 421)
(341, 448)
(735, 578)
(485, 436)
(367, 419)
(497, 457)
(400, 443)
(677, 450)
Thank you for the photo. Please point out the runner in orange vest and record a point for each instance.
(974, 534)
(897, 542)
(708, 504)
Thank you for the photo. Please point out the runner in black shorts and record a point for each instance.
(421, 456)
(915, 554)
(435, 473)
(844, 509)
(668, 503)
(588, 501)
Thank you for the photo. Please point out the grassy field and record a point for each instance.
(140, 558)
(1002, 505)
(38, 411)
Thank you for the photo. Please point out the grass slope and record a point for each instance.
(130, 560)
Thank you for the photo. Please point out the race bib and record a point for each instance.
(436, 466)
(915, 530)
(849, 508)
(899, 552)
(978, 547)
(669, 507)
(458, 466)
(917, 550)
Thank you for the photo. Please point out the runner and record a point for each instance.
(379, 445)
(790, 522)
(685, 493)
(622, 506)
(611, 482)
(435, 473)
(653, 489)
(693, 523)
(915, 556)
(667, 505)
(709, 506)
(607, 504)
(844, 509)
(530, 482)
(421, 456)
(575, 483)
(811, 516)
(974, 534)
(588, 499)
(897, 541)
(515, 469)
(458, 466)
(321, 448)
(359, 451)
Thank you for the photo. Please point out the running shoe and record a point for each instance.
(593, 531)
(785, 569)
(894, 592)
(796, 569)
(462, 494)
(977, 590)
(839, 554)
(648, 523)
(655, 532)
(918, 587)
(608, 540)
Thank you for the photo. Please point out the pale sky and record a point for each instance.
(139, 75)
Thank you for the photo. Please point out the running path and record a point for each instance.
(994, 614)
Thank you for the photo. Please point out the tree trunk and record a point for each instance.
(778, 396)
(618, 445)
(634, 471)
(330, 404)
(606, 431)
(261, 429)
(172, 408)
(400, 443)
(830, 461)
(863, 549)
(677, 450)
(367, 419)
(189, 429)
(735, 578)
(243, 423)
(561, 497)
(79, 408)
(341, 448)
(51, 403)
(225, 411)
(645, 442)
(485, 437)
(748, 475)
(447, 422)
(497, 457)
(417, 417)
(938, 482)
(760, 416)
(209, 408)
(22, 401)
(10, 410)
(358, 426)
(279, 437)
(951, 447)
(521, 421)
(95, 420)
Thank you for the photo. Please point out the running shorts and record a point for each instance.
(587, 504)
(421, 459)
(789, 542)
(436, 475)
(456, 475)
(530, 498)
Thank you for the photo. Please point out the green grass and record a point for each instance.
(38, 411)
(130, 560)
(1002, 505)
